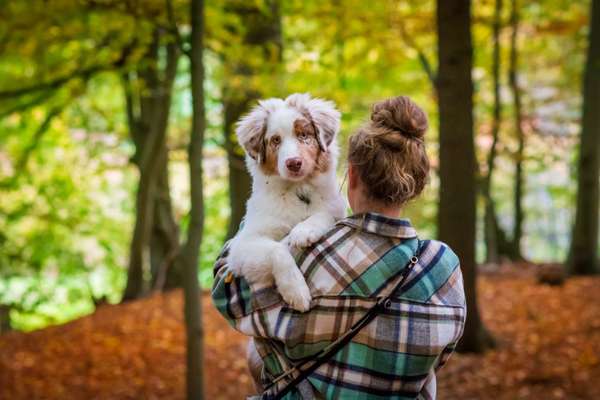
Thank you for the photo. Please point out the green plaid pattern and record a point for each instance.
(360, 259)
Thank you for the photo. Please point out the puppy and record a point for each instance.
(291, 154)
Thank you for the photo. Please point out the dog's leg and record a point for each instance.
(249, 257)
(260, 259)
(289, 280)
(310, 230)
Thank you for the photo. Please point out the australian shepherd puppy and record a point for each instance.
(291, 153)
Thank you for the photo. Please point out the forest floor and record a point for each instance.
(548, 347)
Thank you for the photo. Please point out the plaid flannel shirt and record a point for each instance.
(360, 259)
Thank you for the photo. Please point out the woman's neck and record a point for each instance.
(379, 208)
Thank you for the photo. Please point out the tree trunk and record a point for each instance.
(340, 44)
(490, 221)
(145, 138)
(151, 158)
(5, 319)
(584, 243)
(240, 182)
(457, 214)
(143, 225)
(190, 252)
(515, 245)
(261, 38)
(164, 243)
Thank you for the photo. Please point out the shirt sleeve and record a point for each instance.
(252, 309)
(231, 295)
(429, 391)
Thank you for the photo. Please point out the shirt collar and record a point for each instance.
(381, 225)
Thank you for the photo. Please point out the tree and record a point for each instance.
(151, 158)
(131, 42)
(584, 243)
(456, 215)
(497, 242)
(164, 237)
(514, 250)
(190, 251)
(256, 57)
(490, 222)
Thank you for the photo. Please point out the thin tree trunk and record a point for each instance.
(340, 43)
(518, 115)
(240, 182)
(143, 222)
(490, 221)
(151, 154)
(164, 243)
(145, 138)
(457, 214)
(583, 258)
(261, 40)
(191, 250)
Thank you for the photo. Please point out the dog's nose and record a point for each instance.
(294, 164)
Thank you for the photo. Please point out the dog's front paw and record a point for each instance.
(297, 296)
(302, 236)
(235, 264)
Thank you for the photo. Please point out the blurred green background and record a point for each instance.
(76, 78)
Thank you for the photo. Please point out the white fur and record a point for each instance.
(276, 220)
(281, 122)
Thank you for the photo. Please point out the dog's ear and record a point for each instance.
(250, 131)
(321, 113)
(252, 127)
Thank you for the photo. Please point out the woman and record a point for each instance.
(366, 257)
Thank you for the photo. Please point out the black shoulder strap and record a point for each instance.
(306, 367)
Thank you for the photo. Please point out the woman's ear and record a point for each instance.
(354, 190)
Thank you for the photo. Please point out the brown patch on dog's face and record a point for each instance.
(311, 151)
(270, 148)
(307, 143)
(305, 131)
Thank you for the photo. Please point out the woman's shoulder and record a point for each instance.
(437, 277)
(439, 252)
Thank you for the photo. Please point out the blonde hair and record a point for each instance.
(389, 151)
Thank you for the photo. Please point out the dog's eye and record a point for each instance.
(275, 140)
(302, 135)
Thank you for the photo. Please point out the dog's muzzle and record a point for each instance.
(294, 164)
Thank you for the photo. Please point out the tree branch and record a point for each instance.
(39, 133)
(56, 83)
(49, 85)
(132, 115)
(26, 105)
(21, 164)
(173, 30)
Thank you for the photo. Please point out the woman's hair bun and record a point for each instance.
(400, 114)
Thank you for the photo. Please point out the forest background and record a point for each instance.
(120, 175)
